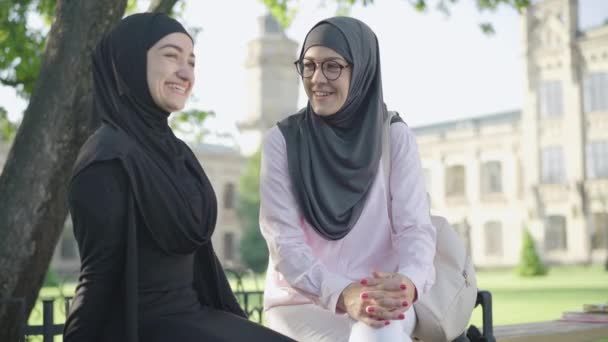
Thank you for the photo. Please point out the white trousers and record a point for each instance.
(310, 323)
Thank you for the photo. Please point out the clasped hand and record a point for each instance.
(378, 299)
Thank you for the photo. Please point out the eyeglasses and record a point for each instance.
(330, 68)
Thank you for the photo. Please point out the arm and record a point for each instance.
(280, 226)
(414, 236)
(98, 205)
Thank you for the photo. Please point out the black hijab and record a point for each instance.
(168, 187)
(333, 160)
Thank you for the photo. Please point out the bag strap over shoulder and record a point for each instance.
(386, 157)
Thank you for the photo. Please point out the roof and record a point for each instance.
(478, 121)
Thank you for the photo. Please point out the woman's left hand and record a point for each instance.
(392, 295)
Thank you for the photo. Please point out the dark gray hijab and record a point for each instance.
(333, 160)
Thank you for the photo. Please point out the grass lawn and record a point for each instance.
(519, 300)
(515, 299)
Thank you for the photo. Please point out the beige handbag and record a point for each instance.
(444, 312)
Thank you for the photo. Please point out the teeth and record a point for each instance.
(318, 93)
(177, 87)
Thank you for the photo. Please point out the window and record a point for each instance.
(491, 177)
(597, 159)
(599, 235)
(555, 233)
(229, 196)
(229, 246)
(550, 99)
(493, 238)
(455, 181)
(552, 165)
(595, 93)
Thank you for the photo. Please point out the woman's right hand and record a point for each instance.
(355, 303)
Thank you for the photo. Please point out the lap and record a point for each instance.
(308, 322)
(207, 325)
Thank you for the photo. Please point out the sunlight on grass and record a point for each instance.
(519, 300)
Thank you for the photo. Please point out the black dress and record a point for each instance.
(168, 307)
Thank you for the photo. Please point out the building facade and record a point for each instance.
(544, 168)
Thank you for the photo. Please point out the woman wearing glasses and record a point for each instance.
(338, 269)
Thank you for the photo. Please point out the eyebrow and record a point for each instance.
(169, 45)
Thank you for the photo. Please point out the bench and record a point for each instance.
(554, 331)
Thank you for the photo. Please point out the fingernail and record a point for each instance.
(387, 322)
(364, 282)
(401, 316)
(370, 309)
(364, 295)
(404, 304)
(403, 287)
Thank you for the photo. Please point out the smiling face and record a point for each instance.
(326, 97)
(170, 71)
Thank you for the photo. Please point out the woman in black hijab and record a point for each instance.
(350, 248)
(142, 207)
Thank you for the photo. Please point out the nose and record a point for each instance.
(186, 73)
(318, 76)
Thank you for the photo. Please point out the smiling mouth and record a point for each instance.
(177, 88)
(321, 94)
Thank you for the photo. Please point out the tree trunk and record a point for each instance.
(55, 124)
(163, 6)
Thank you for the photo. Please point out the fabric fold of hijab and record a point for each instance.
(333, 160)
(168, 187)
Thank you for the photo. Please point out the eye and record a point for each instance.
(308, 65)
(332, 66)
(171, 55)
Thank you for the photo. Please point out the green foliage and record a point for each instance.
(7, 128)
(52, 279)
(190, 123)
(254, 251)
(22, 45)
(530, 264)
(284, 10)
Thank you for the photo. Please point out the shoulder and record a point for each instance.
(274, 141)
(99, 177)
(401, 133)
(106, 143)
(100, 189)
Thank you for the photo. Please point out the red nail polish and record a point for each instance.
(401, 316)
(404, 304)
(370, 309)
(403, 287)
(387, 322)
(364, 282)
(364, 295)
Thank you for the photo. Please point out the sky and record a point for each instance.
(434, 68)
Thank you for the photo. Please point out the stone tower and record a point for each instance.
(272, 82)
(553, 127)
